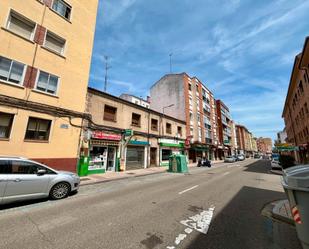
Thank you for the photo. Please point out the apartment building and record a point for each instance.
(224, 122)
(45, 56)
(156, 136)
(188, 99)
(136, 100)
(264, 145)
(281, 137)
(234, 145)
(296, 107)
(246, 144)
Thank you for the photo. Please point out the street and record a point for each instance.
(214, 208)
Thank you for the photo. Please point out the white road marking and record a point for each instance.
(180, 238)
(199, 222)
(226, 173)
(186, 190)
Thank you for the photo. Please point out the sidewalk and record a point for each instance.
(112, 176)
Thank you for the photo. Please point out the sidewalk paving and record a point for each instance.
(113, 176)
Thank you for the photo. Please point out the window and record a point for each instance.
(154, 124)
(190, 87)
(179, 131)
(62, 8)
(166, 154)
(168, 128)
(136, 119)
(47, 83)
(6, 121)
(54, 42)
(22, 167)
(110, 113)
(11, 71)
(38, 129)
(21, 25)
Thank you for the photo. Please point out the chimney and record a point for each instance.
(148, 99)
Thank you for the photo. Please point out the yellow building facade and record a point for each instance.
(45, 57)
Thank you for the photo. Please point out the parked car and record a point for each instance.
(275, 162)
(23, 179)
(229, 159)
(240, 157)
(257, 156)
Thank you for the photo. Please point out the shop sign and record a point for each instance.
(106, 136)
(128, 132)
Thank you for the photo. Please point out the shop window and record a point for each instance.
(38, 129)
(179, 131)
(11, 71)
(62, 8)
(54, 42)
(136, 119)
(168, 128)
(6, 121)
(154, 124)
(21, 25)
(166, 154)
(110, 113)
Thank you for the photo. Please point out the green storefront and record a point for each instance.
(170, 147)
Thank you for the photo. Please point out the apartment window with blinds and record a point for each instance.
(6, 121)
(168, 128)
(62, 8)
(11, 71)
(136, 119)
(38, 129)
(54, 42)
(154, 124)
(47, 83)
(21, 25)
(110, 113)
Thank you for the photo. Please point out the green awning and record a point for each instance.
(180, 145)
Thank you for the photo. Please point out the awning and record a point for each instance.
(180, 145)
(137, 142)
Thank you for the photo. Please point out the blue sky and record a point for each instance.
(243, 51)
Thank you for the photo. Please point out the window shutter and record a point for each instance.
(30, 77)
(39, 34)
(20, 26)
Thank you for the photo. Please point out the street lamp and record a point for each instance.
(167, 107)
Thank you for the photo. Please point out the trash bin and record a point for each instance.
(83, 166)
(295, 182)
(178, 164)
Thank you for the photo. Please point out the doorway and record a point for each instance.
(153, 157)
(111, 155)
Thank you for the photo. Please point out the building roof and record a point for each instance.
(126, 102)
(130, 95)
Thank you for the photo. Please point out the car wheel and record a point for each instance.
(60, 191)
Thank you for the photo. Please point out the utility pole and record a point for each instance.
(170, 55)
(106, 69)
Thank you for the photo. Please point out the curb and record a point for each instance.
(123, 178)
(270, 211)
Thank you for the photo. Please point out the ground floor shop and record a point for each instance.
(199, 151)
(103, 152)
(169, 147)
(136, 154)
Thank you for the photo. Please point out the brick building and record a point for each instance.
(296, 107)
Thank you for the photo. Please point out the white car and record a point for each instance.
(275, 163)
(22, 179)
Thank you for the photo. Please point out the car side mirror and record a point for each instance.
(41, 172)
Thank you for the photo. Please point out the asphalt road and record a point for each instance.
(207, 208)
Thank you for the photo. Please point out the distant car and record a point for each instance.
(257, 156)
(240, 157)
(23, 179)
(229, 159)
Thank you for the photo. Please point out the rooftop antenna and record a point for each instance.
(170, 55)
(106, 69)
